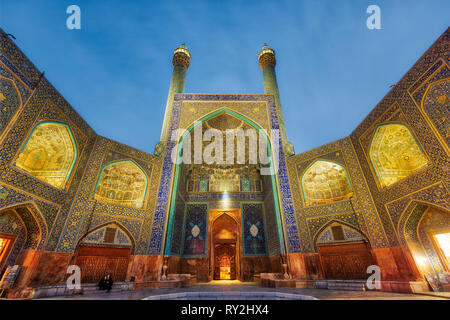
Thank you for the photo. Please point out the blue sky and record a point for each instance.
(331, 69)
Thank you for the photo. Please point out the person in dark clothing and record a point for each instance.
(102, 283)
(108, 283)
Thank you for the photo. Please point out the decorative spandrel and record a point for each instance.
(49, 154)
(122, 183)
(325, 182)
(395, 154)
(9, 101)
(436, 105)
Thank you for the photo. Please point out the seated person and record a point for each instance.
(108, 282)
(102, 283)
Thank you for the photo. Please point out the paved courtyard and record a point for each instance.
(215, 286)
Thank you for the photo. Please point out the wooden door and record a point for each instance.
(225, 258)
(95, 262)
(345, 261)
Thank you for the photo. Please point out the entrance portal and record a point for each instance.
(225, 261)
(224, 246)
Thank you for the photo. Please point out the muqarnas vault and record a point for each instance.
(377, 197)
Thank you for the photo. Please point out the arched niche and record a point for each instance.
(104, 250)
(344, 252)
(22, 227)
(395, 154)
(49, 154)
(426, 232)
(324, 182)
(122, 183)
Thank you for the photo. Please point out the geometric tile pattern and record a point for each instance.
(400, 209)
(436, 107)
(402, 105)
(65, 216)
(88, 212)
(10, 97)
(182, 104)
(273, 240)
(178, 224)
(359, 211)
(253, 229)
(195, 230)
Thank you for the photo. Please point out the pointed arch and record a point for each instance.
(102, 251)
(225, 229)
(178, 152)
(418, 227)
(25, 227)
(222, 217)
(95, 236)
(395, 154)
(412, 214)
(326, 232)
(129, 187)
(344, 251)
(325, 181)
(49, 153)
(31, 216)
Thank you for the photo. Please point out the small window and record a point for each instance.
(338, 233)
(110, 235)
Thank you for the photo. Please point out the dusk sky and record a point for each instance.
(332, 70)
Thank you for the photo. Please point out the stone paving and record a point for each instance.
(250, 287)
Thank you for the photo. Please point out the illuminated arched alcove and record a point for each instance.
(395, 154)
(49, 154)
(122, 183)
(325, 182)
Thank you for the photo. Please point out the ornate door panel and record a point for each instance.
(95, 262)
(225, 261)
(345, 261)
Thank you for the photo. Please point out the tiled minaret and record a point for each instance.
(267, 63)
(181, 58)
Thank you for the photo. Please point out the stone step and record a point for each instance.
(86, 288)
(350, 285)
(230, 295)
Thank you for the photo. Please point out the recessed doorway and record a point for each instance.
(225, 261)
(224, 245)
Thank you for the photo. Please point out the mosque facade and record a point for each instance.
(379, 197)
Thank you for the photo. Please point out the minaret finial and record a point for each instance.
(266, 56)
(181, 56)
